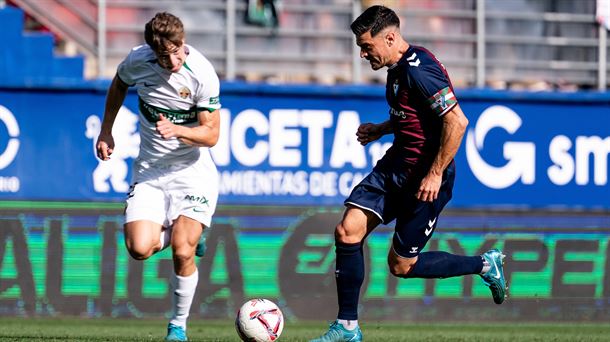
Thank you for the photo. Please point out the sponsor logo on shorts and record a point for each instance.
(197, 199)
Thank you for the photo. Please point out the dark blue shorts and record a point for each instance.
(390, 194)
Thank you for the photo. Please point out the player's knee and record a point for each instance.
(139, 251)
(344, 234)
(401, 268)
(183, 255)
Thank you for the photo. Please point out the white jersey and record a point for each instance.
(179, 96)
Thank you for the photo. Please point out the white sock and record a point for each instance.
(165, 238)
(348, 324)
(182, 298)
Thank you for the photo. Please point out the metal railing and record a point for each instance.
(481, 43)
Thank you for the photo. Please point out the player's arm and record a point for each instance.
(204, 135)
(368, 132)
(114, 100)
(454, 126)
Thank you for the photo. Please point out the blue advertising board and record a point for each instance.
(296, 145)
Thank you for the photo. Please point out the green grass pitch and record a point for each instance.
(77, 329)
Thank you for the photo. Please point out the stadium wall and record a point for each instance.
(532, 179)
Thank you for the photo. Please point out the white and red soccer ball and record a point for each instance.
(259, 320)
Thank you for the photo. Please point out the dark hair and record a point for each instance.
(163, 29)
(374, 19)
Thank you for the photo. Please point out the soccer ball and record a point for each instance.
(259, 320)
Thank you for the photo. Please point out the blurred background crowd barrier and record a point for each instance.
(503, 44)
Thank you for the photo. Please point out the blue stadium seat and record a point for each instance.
(30, 60)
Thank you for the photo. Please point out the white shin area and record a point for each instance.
(183, 293)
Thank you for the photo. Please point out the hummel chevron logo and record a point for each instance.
(413, 58)
(430, 226)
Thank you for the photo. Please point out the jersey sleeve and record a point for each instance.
(125, 70)
(209, 95)
(434, 86)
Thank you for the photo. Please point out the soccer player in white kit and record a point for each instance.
(175, 183)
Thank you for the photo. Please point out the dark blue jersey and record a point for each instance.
(419, 93)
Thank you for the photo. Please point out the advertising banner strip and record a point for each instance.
(72, 261)
(296, 145)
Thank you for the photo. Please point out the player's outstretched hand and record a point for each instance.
(104, 146)
(368, 132)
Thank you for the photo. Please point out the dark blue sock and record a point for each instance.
(349, 276)
(445, 265)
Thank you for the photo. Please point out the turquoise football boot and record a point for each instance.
(200, 250)
(175, 333)
(494, 278)
(337, 333)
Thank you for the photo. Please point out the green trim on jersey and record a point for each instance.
(187, 67)
(178, 117)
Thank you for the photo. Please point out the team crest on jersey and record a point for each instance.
(184, 92)
(395, 85)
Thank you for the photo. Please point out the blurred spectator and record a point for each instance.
(262, 13)
(565, 86)
(602, 13)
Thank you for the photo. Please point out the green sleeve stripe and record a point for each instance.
(209, 109)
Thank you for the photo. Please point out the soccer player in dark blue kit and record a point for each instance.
(414, 179)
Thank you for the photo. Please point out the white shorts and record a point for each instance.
(162, 193)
